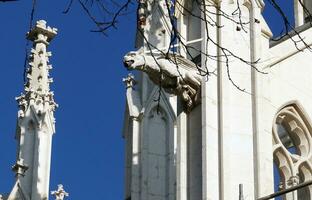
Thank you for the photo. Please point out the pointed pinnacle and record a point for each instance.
(41, 28)
(48, 53)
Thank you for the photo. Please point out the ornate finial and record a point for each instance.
(22, 104)
(38, 72)
(129, 81)
(60, 193)
(20, 167)
(41, 32)
(37, 87)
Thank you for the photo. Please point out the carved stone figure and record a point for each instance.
(175, 74)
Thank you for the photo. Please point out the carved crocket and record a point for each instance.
(175, 74)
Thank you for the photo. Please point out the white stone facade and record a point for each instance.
(231, 137)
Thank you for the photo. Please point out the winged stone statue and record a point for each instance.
(174, 73)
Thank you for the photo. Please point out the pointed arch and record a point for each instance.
(284, 164)
(292, 144)
(305, 174)
(158, 154)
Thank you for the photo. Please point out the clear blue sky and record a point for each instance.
(88, 150)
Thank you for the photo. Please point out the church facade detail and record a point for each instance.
(251, 130)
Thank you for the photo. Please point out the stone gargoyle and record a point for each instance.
(174, 73)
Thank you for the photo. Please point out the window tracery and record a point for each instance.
(292, 144)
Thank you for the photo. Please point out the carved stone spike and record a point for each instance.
(31, 64)
(33, 51)
(38, 80)
(49, 54)
(29, 76)
(129, 81)
(60, 193)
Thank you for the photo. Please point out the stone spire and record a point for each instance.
(38, 81)
(38, 71)
(36, 123)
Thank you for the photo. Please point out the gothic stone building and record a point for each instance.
(190, 143)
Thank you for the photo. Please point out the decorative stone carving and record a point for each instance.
(38, 79)
(293, 181)
(60, 193)
(20, 167)
(281, 186)
(129, 81)
(292, 144)
(142, 12)
(42, 33)
(146, 8)
(37, 92)
(22, 105)
(133, 98)
(175, 74)
(38, 99)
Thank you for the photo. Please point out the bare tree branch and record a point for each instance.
(206, 16)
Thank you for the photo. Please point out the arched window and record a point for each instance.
(292, 144)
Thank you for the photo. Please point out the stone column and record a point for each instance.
(262, 114)
(298, 13)
(228, 113)
(211, 120)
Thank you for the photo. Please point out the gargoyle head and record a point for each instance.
(134, 60)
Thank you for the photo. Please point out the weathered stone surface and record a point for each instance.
(226, 140)
(175, 74)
